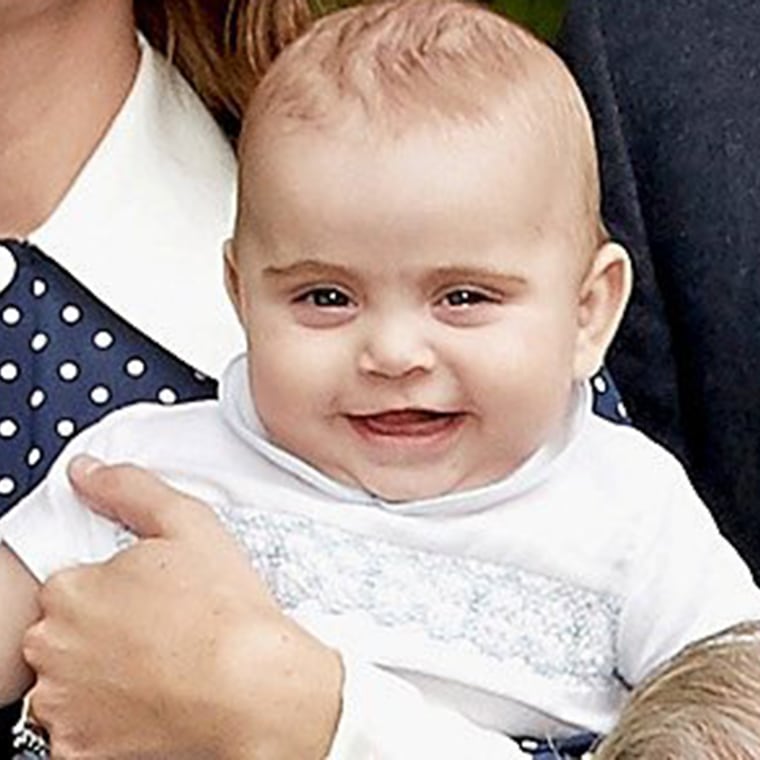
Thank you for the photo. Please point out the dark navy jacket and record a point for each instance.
(674, 89)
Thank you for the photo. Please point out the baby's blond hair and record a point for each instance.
(397, 64)
(704, 704)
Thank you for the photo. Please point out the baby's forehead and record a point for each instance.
(452, 189)
(525, 150)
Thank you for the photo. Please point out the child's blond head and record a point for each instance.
(704, 704)
(388, 67)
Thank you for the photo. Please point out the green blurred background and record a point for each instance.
(542, 16)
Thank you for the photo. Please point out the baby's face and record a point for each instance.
(411, 304)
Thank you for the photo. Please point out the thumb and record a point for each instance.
(138, 499)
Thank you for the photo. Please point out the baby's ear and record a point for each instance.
(603, 296)
(232, 281)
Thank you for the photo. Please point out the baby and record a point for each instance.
(704, 704)
(407, 451)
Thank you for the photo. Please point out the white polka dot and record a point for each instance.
(11, 315)
(39, 288)
(199, 376)
(621, 410)
(36, 398)
(7, 268)
(135, 367)
(65, 428)
(600, 384)
(68, 371)
(33, 456)
(102, 339)
(71, 314)
(7, 485)
(8, 428)
(167, 395)
(100, 394)
(39, 341)
(8, 372)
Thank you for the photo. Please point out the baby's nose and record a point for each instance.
(395, 348)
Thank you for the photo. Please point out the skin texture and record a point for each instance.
(65, 69)
(427, 287)
(125, 674)
(20, 608)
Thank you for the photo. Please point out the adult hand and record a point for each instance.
(174, 648)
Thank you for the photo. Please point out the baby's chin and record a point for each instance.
(404, 487)
(405, 482)
(402, 493)
(390, 484)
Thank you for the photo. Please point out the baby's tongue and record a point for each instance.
(406, 422)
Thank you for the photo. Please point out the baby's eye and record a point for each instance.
(468, 306)
(325, 298)
(324, 306)
(463, 297)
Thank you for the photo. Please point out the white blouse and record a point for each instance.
(143, 225)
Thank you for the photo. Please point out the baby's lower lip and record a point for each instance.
(410, 423)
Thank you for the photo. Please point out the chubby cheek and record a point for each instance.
(295, 381)
(521, 386)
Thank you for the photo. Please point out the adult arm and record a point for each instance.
(205, 663)
(18, 602)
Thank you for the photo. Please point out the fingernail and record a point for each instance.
(82, 465)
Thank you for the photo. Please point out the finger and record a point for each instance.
(32, 646)
(138, 499)
(60, 586)
(32, 704)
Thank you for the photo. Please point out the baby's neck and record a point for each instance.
(64, 74)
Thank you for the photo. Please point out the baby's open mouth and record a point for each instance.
(406, 422)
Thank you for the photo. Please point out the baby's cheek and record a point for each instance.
(525, 390)
(286, 377)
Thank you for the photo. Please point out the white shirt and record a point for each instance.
(144, 222)
(521, 607)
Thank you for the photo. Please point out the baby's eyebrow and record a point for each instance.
(429, 278)
(305, 268)
(475, 274)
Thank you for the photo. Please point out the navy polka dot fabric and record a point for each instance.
(579, 747)
(607, 402)
(576, 748)
(66, 359)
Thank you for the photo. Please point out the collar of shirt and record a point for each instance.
(238, 411)
(143, 224)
